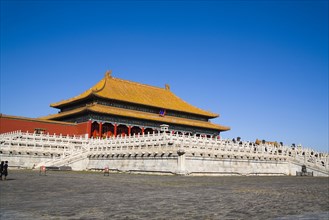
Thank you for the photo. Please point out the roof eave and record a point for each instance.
(224, 128)
(64, 103)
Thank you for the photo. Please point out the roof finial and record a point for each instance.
(108, 73)
(167, 87)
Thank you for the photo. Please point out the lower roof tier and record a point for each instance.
(110, 110)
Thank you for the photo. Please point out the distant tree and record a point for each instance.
(263, 141)
(238, 139)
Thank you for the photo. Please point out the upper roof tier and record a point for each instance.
(132, 92)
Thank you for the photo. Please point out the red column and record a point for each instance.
(115, 130)
(129, 130)
(89, 128)
(100, 129)
(142, 130)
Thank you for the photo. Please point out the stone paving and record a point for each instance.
(91, 195)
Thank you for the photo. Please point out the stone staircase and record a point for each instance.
(66, 160)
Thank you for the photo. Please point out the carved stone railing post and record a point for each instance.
(181, 170)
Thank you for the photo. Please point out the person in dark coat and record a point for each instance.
(5, 170)
(1, 168)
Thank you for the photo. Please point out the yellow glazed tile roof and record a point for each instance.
(139, 115)
(127, 91)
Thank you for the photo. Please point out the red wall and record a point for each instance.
(12, 123)
(82, 128)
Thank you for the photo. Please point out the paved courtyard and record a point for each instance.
(90, 195)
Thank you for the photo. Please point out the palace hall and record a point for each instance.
(117, 107)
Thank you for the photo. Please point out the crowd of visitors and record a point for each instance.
(4, 170)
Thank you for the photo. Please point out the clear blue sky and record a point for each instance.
(262, 65)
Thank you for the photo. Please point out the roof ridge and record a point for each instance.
(137, 83)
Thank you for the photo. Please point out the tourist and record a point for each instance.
(1, 168)
(5, 170)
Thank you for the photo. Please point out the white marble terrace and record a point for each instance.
(63, 149)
